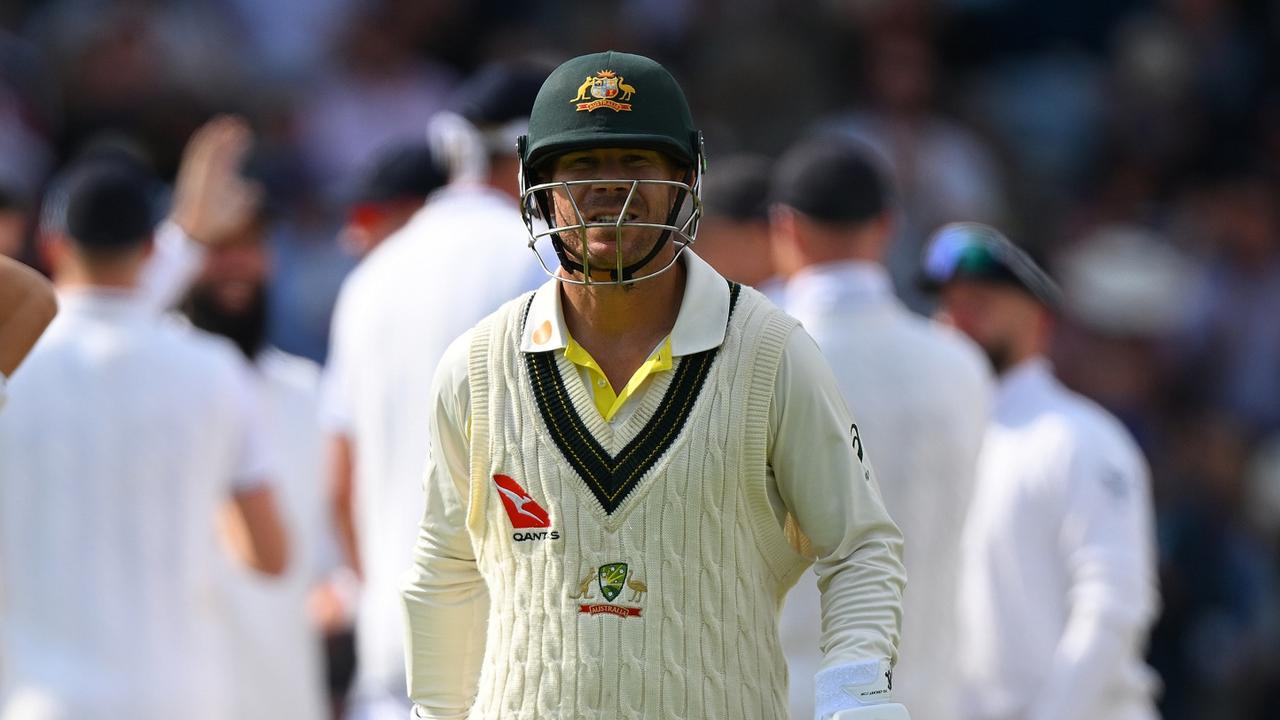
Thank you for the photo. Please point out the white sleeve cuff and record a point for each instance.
(3, 396)
(852, 685)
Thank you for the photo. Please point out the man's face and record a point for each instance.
(236, 270)
(230, 296)
(996, 316)
(603, 202)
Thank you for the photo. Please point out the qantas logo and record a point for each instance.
(523, 511)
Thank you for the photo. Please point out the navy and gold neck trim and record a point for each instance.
(609, 478)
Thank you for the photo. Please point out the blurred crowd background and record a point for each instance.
(1135, 145)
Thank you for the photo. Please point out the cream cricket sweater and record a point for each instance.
(666, 606)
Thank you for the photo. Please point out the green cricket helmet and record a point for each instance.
(610, 100)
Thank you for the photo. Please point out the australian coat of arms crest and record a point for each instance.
(611, 579)
(604, 86)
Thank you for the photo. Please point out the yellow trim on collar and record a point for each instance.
(602, 394)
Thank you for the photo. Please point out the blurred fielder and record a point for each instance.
(122, 442)
(922, 391)
(1057, 578)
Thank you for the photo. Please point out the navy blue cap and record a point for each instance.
(405, 171)
(104, 204)
(831, 180)
(499, 93)
(737, 187)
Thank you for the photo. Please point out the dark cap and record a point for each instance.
(400, 172)
(105, 204)
(499, 93)
(611, 99)
(737, 187)
(831, 180)
(973, 251)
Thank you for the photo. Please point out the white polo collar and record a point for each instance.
(100, 302)
(1024, 383)
(819, 288)
(700, 324)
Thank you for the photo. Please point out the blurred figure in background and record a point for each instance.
(1057, 578)
(733, 235)
(125, 438)
(395, 186)
(921, 390)
(275, 647)
(451, 265)
(27, 305)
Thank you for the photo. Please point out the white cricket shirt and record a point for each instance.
(276, 654)
(1058, 577)
(124, 437)
(460, 257)
(922, 393)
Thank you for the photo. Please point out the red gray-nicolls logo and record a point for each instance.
(527, 517)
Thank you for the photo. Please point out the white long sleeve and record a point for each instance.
(446, 600)
(1106, 549)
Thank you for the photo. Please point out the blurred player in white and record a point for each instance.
(1058, 578)
(27, 306)
(217, 234)
(395, 316)
(922, 392)
(122, 443)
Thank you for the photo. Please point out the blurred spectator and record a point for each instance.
(1231, 339)
(943, 172)
(1219, 585)
(733, 235)
(380, 92)
(393, 188)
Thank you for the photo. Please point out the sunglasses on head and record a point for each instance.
(975, 251)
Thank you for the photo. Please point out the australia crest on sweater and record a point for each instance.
(611, 579)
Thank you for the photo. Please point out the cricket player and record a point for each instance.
(122, 444)
(27, 306)
(396, 314)
(632, 465)
(922, 391)
(1057, 577)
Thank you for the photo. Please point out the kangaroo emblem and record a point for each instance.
(584, 587)
(584, 89)
(520, 501)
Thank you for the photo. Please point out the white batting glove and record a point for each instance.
(857, 691)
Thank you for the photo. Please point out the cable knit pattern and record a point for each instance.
(707, 563)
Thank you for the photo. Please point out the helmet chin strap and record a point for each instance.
(629, 271)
